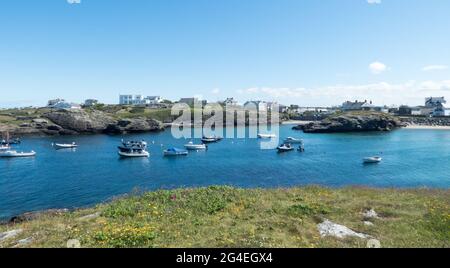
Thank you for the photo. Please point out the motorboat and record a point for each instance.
(12, 153)
(266, 136)
(133, 149)
(175, 152)
(292, 140)
(192, 146)
(211, 139)
(65, 145)
(372, 160)
(285, 148)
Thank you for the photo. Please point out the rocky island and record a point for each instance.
(353, 122)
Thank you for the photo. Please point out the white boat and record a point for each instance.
(65, 145)
(192, 146)
(266, 136)
(5, 148)
(175, 152)
(141, 153)
(211, 139)
(372, 160)
(292, 140)
(285, 148)
(11, 153)
(133, 149)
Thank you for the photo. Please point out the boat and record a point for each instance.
(192, 146)
(285, 148)
(11, 153)
(175, 152)
(292, 140)
(65, 146)
(211, 139)
(372, 160)
(266, 136)
(4, 148)
(133, 149)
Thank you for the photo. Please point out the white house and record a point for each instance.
(153, 100)
(139, 100)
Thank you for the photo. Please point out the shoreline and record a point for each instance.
(141, 220)
(415, 126)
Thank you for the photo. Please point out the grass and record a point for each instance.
(233, 218)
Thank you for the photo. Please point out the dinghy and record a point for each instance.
(65, 145)
(372, 160)
(266, 136)
(175, 152)
(292, 140)
(16, 154)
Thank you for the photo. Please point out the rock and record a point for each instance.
(370, 214)
(34, 215)
(353, 122)
(54, 128)
(24, 242)
(373, 243)
(136, 125)
(10, 234)
(328, 228)
(80, 121)
(90, 217)
(73, 243)
(40, 121)
(368, 223)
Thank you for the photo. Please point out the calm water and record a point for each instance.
(94, 173)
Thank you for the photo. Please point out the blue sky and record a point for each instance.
(306, 52)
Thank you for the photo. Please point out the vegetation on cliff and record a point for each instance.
(230, 217)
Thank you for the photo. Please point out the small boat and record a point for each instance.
(372, 160)
(285, 148)
(292, 140)
(133, 149)
(11, 153)
(65, 146)
(266, 136)
(211, 139)
(175, 152)
(192, 146)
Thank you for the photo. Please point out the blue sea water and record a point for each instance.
(94, 173)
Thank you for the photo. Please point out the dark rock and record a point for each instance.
(353, 122)
(136, 125)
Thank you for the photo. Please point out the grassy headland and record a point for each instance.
(230, 217)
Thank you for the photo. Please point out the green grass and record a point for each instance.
(230, 217)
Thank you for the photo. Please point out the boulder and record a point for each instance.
(136, 125)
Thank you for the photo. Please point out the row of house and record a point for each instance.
(434, 106)
(139, 100)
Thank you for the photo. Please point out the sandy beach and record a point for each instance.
(427, 127)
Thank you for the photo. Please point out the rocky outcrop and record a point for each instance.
(349, 122)
(137, 125)
(80, 121)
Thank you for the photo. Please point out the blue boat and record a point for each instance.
(175, 152)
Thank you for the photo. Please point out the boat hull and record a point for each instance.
(372, 160)
(142, 154)
(194, 147)
(18, 155)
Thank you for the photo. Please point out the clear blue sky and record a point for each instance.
(307, 52)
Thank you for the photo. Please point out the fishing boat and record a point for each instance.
(192, 146)
(372, 160)
(133, 149)
(65, 145)
(266, 136)
(211, 139)
(175, 152)
(12, 153)
(285, 148)
(292, 140)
